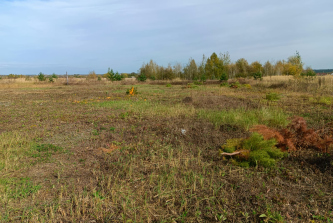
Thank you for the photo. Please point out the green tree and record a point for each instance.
(214, 67)
(308, 72)
(242, 67)
(41, 76)
(295, 64)
(268, 69)
(112, 76)
(190, 71)
(201, 69)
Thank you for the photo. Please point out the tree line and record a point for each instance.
(220, 67)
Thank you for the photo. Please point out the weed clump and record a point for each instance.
(235, 84)
(224, 84)
(272, 96)
(168, 85)
(321, 100)
(253, 151)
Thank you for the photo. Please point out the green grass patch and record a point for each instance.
(18, 188)
(272, 96)
(322, 100)
(148, 108)
(44, 152)
(271, 117)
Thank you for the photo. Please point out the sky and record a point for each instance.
(79, 36)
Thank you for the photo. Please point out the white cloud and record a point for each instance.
(96, 34)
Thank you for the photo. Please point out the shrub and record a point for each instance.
(51, 79)
(235, 84)
(54, 76)
(257, 75)
(224, 77)
(272, 96)
(253, 151)
(41, 77)
(248, 86)
(113, 76)
(168, 85)
(203, 78)
(92, 75)
(99, 78)
(297, 136)
(308, 73)
(142, 77)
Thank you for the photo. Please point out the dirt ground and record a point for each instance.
(93, 154)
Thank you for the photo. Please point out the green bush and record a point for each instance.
(248, 86)
(51, 79)
(272, 96)
(257, 75)
(203, 78)
(168, 85)
(308, 73)
(142, 77)
(224, 77)
(112, 76)
(54, 76)
(235, 84)
(41, 77)
(260, 152)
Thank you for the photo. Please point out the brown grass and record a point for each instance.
(88, 153)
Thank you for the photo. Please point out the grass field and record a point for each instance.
(87, 152)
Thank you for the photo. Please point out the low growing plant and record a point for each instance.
(253, 151)
(272, 96)
(235, 84)
(224, 84)
(168, 85)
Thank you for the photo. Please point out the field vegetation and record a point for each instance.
(163, 151)
(213, 142)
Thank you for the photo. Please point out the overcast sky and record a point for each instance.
(79, 36)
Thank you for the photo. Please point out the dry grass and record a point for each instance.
(53, 168)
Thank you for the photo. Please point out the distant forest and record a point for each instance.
(215, 67)
(321, 71)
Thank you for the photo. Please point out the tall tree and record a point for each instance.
(214, 67)
(242, 67)
(268, 69)
(191, 70)
(295, 65)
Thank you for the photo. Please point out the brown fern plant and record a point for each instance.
(297, 136)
